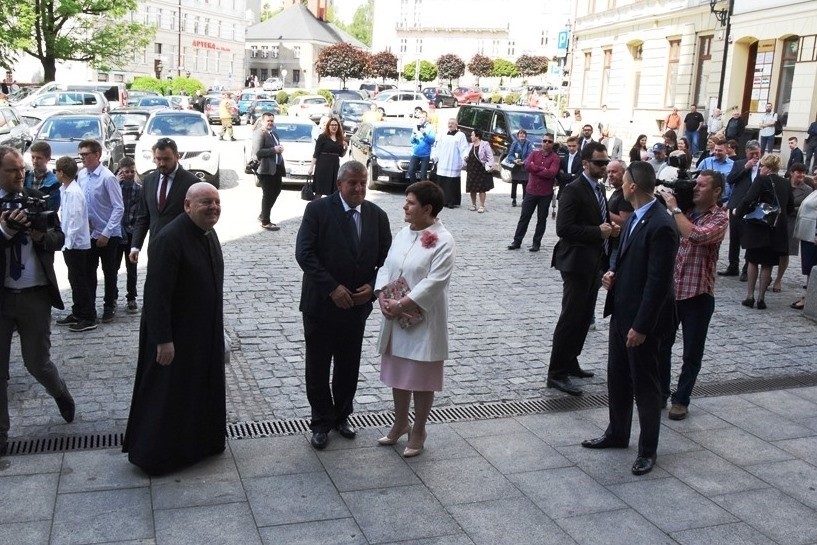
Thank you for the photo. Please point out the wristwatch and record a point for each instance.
(674, 211)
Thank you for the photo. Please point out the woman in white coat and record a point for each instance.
(413, 340)
(805, 229)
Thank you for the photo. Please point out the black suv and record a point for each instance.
(499, 124)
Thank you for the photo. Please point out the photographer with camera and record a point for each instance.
(702, 229)
(29, 290)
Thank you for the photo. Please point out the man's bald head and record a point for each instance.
(203, 204)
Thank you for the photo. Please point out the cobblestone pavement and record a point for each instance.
(504, 306)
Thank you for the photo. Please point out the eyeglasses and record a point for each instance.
(547, 141)
(600, 162)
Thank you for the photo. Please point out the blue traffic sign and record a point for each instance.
(564, 38)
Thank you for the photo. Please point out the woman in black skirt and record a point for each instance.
(479, 169)
(764, 244)
(329, 148)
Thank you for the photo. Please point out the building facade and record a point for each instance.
(427, 29)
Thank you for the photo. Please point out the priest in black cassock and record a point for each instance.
(178, 412)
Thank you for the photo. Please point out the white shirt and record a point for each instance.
(170, 178)
(768, 118)
(450, 152)
(74, 217)
(346, 208)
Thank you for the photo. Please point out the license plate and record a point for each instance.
(298, 170)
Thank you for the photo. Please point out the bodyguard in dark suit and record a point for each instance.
(267, 148)
(738, 181)
(163, 192)
(583, 226)
(342, 242)
(795, 155)
(28, 290)
(639, 298)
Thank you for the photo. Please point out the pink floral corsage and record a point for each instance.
(429, 239)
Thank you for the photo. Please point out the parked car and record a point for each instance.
(273, 84)
(111, 91)
(259, 107)
(64, 132)
(400, 103)
(248, 96)
(385, 148)
(198, 148)
(135, 96)
(130, 123)
(468, 95)
(297, 135)
(347, 94)
(500, 123)
(350, 113)
(211, 104)
(181, 102)
(14, 132)
(373, 89)
(440, 97)
(154, 103)
(89, 102)
(312, 106)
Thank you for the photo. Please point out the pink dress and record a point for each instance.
(412, 375)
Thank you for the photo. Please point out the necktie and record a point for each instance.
(350, 215)
(602, 198)
(162, 192)
(628, 226)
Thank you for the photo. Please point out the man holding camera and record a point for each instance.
(702, 230)
(29, 290)
(422, 138)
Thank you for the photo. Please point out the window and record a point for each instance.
(586, 76)
(253, 51)
(296, 76)
(206, 30)
(701, 75)
(762, 80)
(791, 48)
(157, 48)
(635, 51)
(605, 75)
(672, 72)
(419, 45)
(403, 45)
(264, 52)
(296, 51)
(264, 74)
(543, 40)
(511, 48)
(495, 48)
(274, 51)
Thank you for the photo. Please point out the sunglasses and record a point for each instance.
(547, 141)
(600, 162)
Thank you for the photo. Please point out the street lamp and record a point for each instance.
(720, 14)
(283, 77)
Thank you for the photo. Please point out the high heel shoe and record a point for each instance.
(387, 441)
(409, 452)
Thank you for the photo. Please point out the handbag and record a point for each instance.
(252, 166)
(397, 289)
(307, 191)
(764, 214)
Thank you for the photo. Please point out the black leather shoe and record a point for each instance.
(66, 406)
(319, 439)
(730, 271)
(514, 246)
(3, 445)
(346, 430)
(533, 248)
(565, 385)
(605, 441)
(643, 465)
(581, 373)
(743, 277)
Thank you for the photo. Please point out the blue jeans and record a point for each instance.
(766, 144)
(692, 136)
(412, 170)
(694, 314)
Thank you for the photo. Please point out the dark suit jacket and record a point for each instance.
(51, 242)
(263, 150)
(149, 218)
(565, 177)
(580, 247)
(326, 253)
(795, 157)
(740, 179)
(642, 294)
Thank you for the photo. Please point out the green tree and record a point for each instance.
(383, 65)
(504, 69)
(450, 66)
(532, 65)
(268, 13)
(428, 72)
(342, 61)
(93, 31)
(13, 21)
(481, 66)
(361, 25)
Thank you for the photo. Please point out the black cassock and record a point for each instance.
(178, 412)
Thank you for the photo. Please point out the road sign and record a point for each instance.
(563, 40)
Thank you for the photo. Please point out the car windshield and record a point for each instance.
(70, 129)
(385, 95)
(154, 101)
(266, 106)
(398, 137)
(181, 125)
(530, 121)
(294, 132)
(315, 100)
(123, 120)
(354, 108)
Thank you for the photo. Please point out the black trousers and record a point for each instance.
(130, 268)
(633, 372)
(271, 188)
(578, 303)
(452, 189)
(327, 342)
(539, 203)
(83, 303)
(110, 269)
(514, 183)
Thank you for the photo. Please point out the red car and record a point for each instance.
(468, 95)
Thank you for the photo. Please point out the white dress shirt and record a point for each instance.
(74, 217)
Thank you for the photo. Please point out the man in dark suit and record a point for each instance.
(795, 155)
(744, 172)
(163, 192)
(639, 298)
(342, 242)
(29, 290)
(267, 148)
(586, 136)
(571, 165)
(583, 226)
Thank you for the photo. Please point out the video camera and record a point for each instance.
(36, 210)
(678, 180)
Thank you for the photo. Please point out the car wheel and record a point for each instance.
(371, 177)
